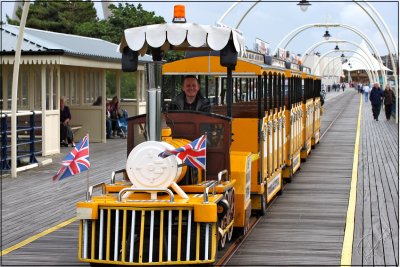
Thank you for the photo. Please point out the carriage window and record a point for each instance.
(215, 133)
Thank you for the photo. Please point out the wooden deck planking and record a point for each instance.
(33, 203)
(384, 204)
(52, 251)
(305, 225)
(378, 188)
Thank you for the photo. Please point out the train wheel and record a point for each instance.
(222, 242)
(223, 212)
(263, 204)
(280, 190)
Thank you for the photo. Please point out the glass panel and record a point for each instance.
(111, 84)
(62, 84)
(54, 89)
(37, 77)
(9, 87)
(128, 86)
(24, 74)
(215, 133)
(77, 88)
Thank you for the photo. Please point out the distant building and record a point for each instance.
(388, 63)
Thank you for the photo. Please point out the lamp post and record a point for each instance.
(326, 35)
(304, 4)
(14, 90)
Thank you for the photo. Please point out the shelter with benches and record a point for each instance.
(55, 65)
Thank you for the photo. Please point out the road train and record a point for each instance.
(264, 121)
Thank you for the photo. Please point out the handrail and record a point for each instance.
(212, 184)
(22, 113)
(89, 193)
(220, 175)
(26, 136)
(125, 175)
(166, 190)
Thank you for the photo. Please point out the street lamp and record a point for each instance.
(326, 35)
(304, 4)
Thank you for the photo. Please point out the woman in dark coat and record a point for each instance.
(388, 101)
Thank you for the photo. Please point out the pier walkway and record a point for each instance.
(306, 225)
(303, 226)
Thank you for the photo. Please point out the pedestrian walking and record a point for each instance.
(366, 90)
(343, 86)
(388, 101)
(375, 97)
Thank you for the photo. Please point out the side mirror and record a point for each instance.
(268, 60)
(157, 54)
(228, 55)
(129, 60)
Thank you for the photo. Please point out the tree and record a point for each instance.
(122, 17)
(62, 16)
(79, 17)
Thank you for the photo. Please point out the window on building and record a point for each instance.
(111, 84)
(128, 85)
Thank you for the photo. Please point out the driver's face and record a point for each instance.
(190, 87)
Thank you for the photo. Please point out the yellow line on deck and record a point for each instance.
(347, 249)
(35, 237)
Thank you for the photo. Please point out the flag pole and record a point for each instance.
(205, 163)
(87, 180)
(87, 174)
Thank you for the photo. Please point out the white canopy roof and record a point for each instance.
(182, 35)
(358, 58)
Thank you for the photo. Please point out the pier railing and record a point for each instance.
(29, 138)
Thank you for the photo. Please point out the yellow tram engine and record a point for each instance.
(163, 212)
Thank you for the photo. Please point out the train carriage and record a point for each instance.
(161, 211)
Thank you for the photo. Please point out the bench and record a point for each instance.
(75, 128)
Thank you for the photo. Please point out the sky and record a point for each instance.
(272, 21)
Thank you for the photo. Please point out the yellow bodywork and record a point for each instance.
(241, 171)
(207, 65)
(316, 122)
(294, 127)
(308, 131)
(111, 239)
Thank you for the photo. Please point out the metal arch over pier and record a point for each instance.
(300, 29)
(339, 69)
(343, 50)
(311, 48)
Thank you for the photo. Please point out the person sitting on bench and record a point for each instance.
(66, 135)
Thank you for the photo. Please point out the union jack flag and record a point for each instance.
(76, 161)
(193, 154)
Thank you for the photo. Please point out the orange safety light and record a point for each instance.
(179, 14)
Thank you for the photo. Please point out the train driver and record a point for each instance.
(190, 98)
